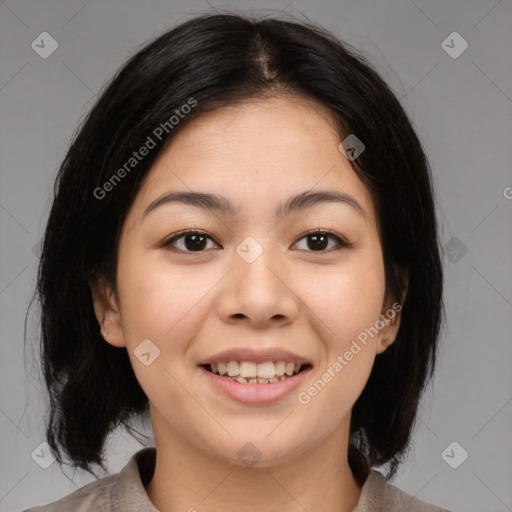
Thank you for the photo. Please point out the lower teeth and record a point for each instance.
(243, 380)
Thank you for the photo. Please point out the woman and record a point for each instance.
(243, 244)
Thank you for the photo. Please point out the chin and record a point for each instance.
(258, 451)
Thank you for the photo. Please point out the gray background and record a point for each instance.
(462, 110)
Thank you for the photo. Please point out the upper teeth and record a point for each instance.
(266, 370)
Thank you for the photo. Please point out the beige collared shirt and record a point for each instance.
(125, 492)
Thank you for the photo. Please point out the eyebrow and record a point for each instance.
(222, 204)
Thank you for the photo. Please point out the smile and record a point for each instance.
(249, 372)
(254, 389)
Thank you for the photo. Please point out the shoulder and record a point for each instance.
(123, 491)
(94, 496)
(378, 495)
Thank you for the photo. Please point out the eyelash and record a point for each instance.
(341, 242)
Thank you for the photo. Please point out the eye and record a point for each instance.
(193, 241)
(319, 240)
(196, 241)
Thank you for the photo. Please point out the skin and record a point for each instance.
(193, 304)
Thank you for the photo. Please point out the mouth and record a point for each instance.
(248, 372)
(255, 384)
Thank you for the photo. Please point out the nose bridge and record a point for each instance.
(259, 266)
(257, 287)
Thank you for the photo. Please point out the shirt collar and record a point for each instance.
(129, 492)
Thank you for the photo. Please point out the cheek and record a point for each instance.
(345, 304)
(157, 300)
(165, 307)
(348, 299)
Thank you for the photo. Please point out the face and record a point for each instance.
(252, 280)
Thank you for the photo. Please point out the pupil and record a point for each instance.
(198, 242)
(318, 238)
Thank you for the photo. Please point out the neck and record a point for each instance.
(190, 479)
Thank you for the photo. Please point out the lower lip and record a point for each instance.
(255, 394)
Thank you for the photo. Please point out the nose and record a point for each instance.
(260, 294)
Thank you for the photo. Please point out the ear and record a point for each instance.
(106, 309)
(391, 315)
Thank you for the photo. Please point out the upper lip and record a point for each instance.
(257, 356)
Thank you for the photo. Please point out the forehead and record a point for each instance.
(255, 127)
(257, 153)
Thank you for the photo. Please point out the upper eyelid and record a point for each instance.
(181, 234)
